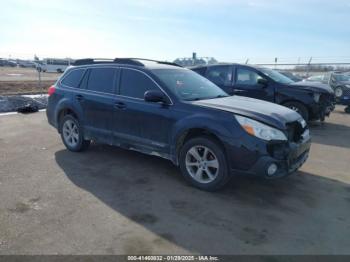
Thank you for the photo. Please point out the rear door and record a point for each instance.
(221, 75)
(246, 84)
(69, 87)
(141, 124)
(97, 101)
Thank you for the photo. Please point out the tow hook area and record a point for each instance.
(326, 112)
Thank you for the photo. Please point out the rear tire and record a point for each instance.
(299, 108)
(347, 109)
(72, 134)
(203, 163)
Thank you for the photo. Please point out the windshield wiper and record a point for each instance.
(219, 96)
(205, 98)
(194, 99)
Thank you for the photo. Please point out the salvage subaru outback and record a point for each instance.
(162, 109)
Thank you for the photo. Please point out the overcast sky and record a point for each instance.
(228, 30)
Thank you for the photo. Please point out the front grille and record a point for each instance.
(346, 92)
(295, 131)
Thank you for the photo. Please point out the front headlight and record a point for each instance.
(348, 86)
(260, 130)
(317, 97)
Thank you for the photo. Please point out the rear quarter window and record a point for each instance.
(220, 75)
(200, 70)
(73, 78)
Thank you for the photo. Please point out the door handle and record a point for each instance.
(120, 105)
(79, 97)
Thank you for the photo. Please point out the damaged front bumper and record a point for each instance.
(323, 108)
(280, 159)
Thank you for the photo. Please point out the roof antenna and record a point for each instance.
(246, 61)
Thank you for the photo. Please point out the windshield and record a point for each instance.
(188, 85)
(316, 78)
(341, 77)
(278, 77)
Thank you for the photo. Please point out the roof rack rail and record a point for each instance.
(157, 61)
(87, 61)
(128, 61)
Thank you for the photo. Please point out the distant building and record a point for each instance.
(195, 61)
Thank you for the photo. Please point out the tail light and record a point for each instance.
(51, 90)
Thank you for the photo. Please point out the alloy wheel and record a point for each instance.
(70, 133)
(338, 92)
(202, 164)
(294, 108)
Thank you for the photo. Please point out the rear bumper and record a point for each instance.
(288, 158)
(51, 116)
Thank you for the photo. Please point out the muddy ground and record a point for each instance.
(15, 80)
(24, 87)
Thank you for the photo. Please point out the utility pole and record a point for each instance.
(39, 78)
(308, 67)
(194, 58)
(275, 62)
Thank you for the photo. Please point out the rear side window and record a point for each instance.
(102, 80)
(220, 75)
(200, 70)
(73, 78)
(135, 84)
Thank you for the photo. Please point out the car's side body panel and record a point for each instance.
(277, 92)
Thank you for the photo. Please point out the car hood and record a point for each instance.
(344, 82)
(266, 112)
(313, 86)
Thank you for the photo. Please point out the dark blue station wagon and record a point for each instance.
(162, 109)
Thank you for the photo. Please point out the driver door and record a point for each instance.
(140, 124)
(221, 75)
(246, 84)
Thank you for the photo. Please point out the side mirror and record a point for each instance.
(263, 82)
(155, 96)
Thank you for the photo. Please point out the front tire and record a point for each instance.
(338, 92)
(299, 108)
(203, 164)
(72, 134)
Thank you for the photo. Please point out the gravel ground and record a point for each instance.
(111, 201)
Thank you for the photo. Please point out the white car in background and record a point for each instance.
(52, 65)
(315, 78)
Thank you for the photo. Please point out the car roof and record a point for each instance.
(219, 64)
(138, 63)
